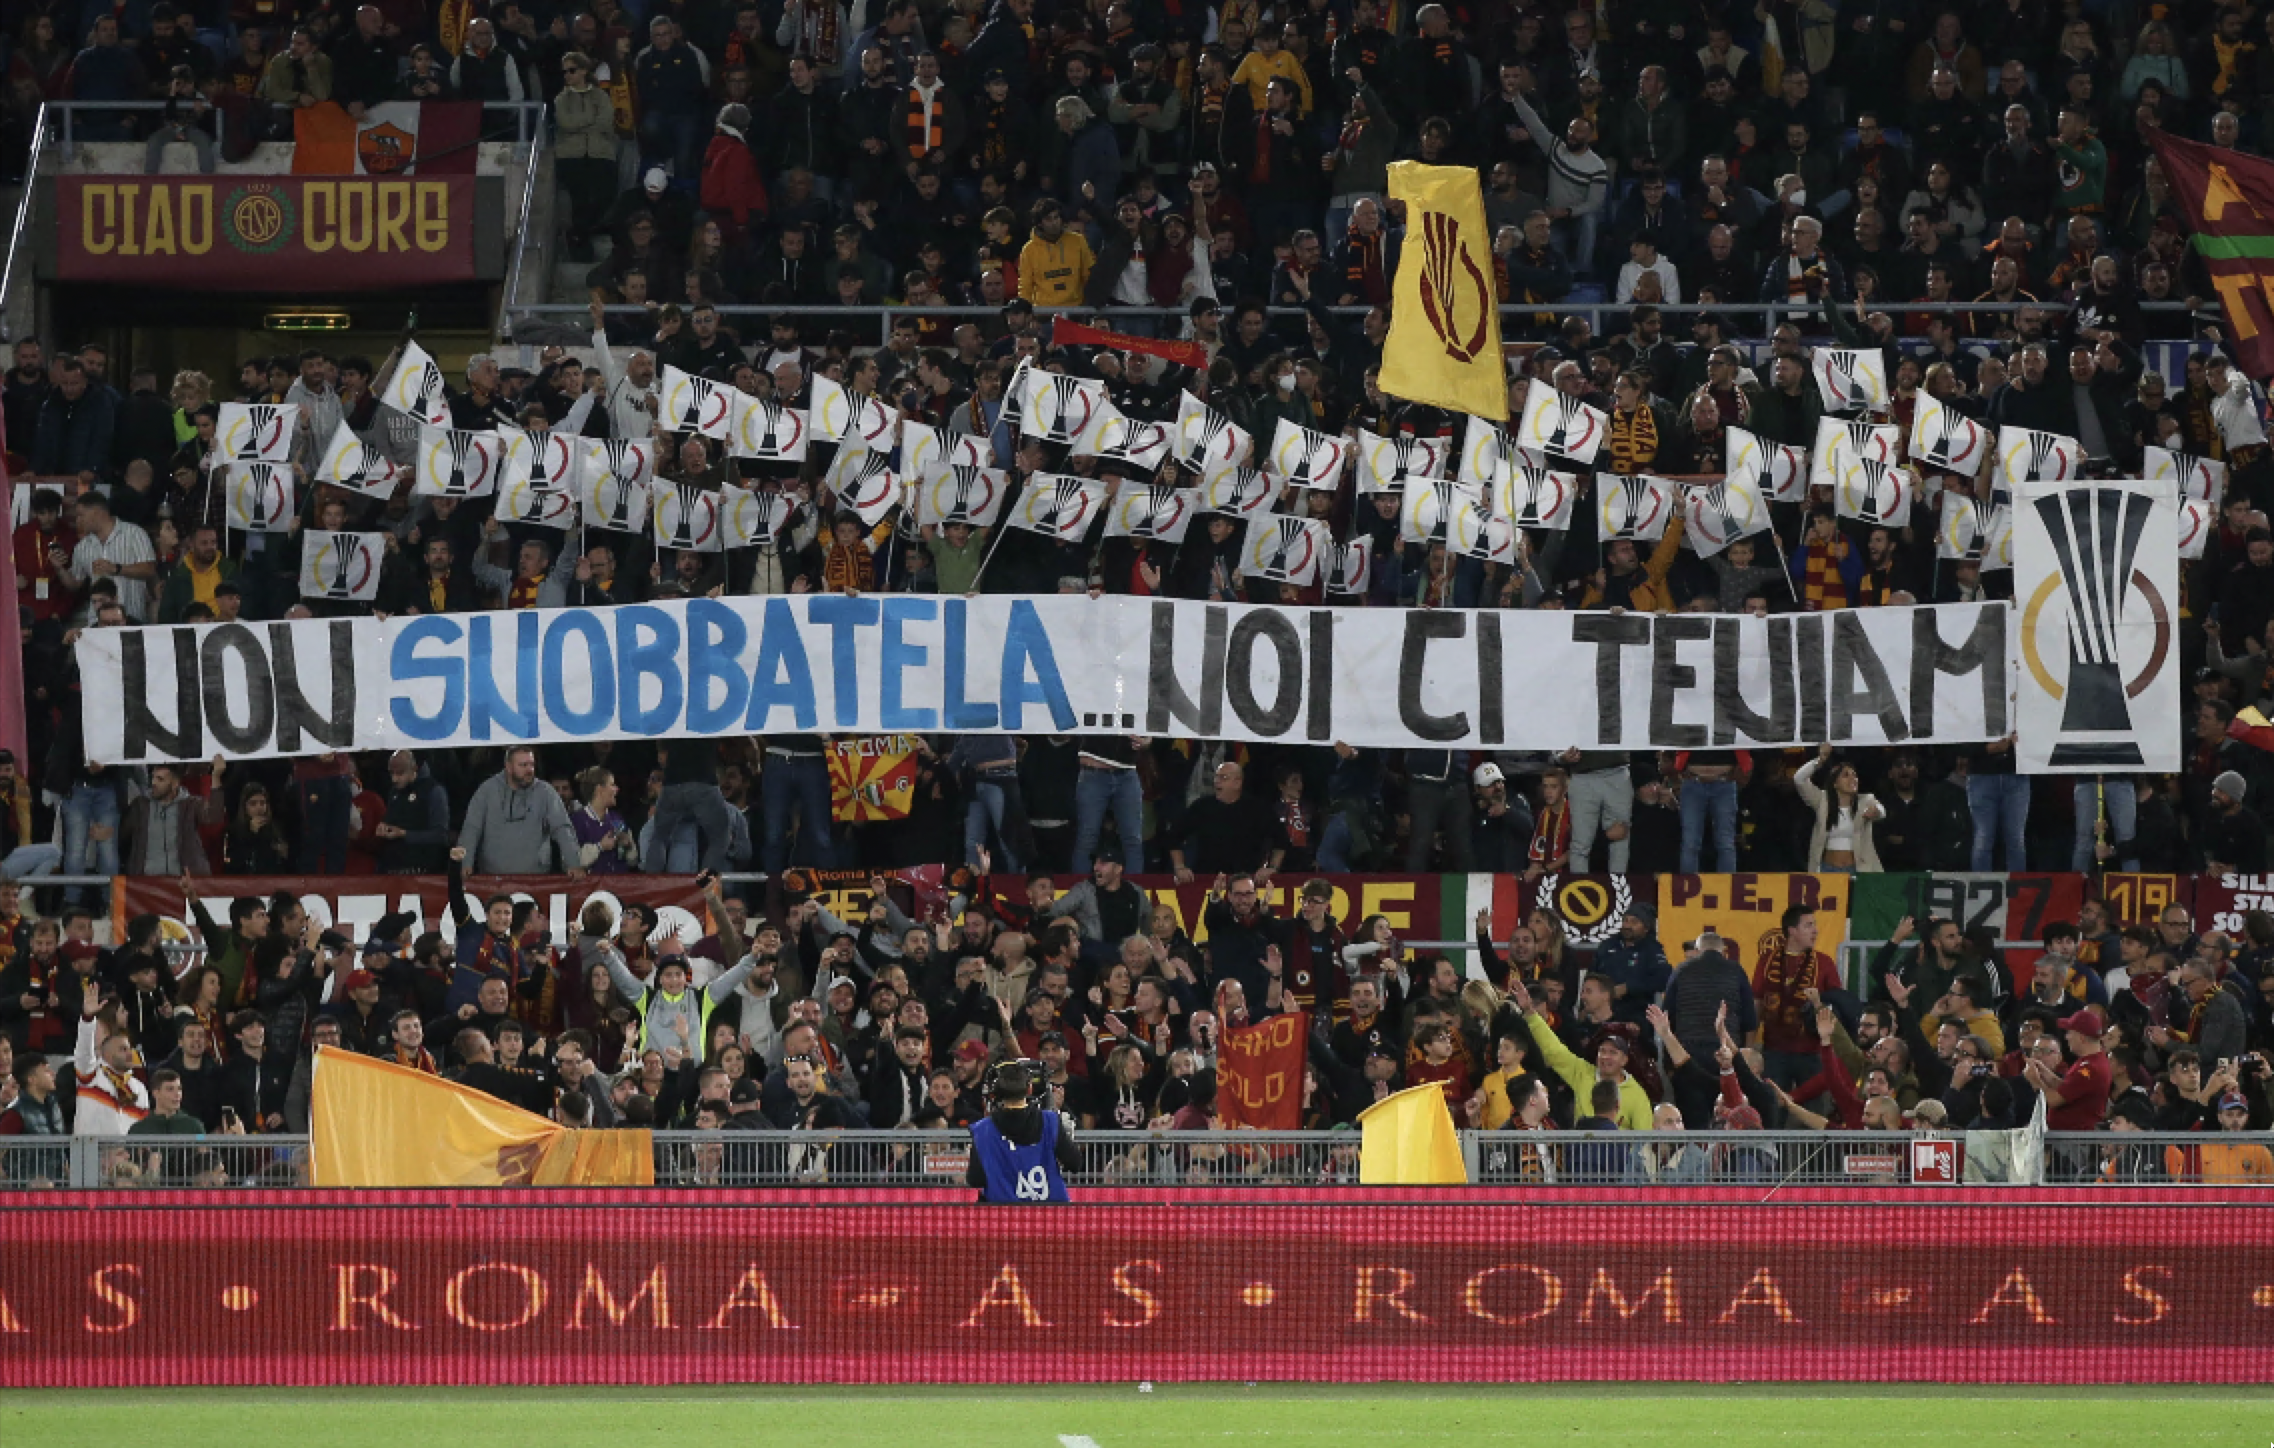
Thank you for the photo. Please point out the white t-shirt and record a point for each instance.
(127, 544)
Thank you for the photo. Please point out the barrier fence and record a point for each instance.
(2008, 1286)
(1273, 1162)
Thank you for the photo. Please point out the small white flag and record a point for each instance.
(1849, 380)
(415, 387)
(1286, 550)
(765, 430)
(2201, 478)
(695, 404)
(1561, 425)
(1637, 507)
(1715, 515)
(342, 567)
(962, 494)
(1121, 439)
(866, 484)
(1386, 463)
(612, 483)
(1207, 442)
(353, 463)
(1961, 527)
(750, 517)
(455, 464)
(925, 450)
(1535, 496)
(540, 478)
(1241, 492)
(1060, 408)
(1153, 510)
(1353, 567)
(256, 432)
(1058, 506)
(2196, 521)
(1305, 456)
(1778, 469)
(1943, 437)
(1441, 511)
(687, 518)
(2029, 456)
(1488, 453)
(1838, 440)
(1870, 491)
(261, 497)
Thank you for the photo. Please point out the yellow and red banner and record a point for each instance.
(872, 778)
(2228, 198)
(264, 233)
(376, 1124)
(1444, 342)
(1259, 1073)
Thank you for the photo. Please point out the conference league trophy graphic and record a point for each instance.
(2096, 580)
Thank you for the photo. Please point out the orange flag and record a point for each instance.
(376, 1124)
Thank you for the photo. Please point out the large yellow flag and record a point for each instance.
(1444, 342)
(377, 1124)
(1409, 1141)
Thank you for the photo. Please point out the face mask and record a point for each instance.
(1287, 383)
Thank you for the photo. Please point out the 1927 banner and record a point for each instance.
(1053, 665)
(1291, 1285)
(265, 233)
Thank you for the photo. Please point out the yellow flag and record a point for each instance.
(376, 1124)
(1409, 1141)
(1444, 342)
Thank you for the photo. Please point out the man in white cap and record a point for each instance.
(1500, 834)
(2235, 839)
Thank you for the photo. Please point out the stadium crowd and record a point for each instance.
(1859, 172)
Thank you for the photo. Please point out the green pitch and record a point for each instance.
(1121, 1417)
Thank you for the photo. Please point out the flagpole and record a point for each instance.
(1786, 563)
(1002, 528)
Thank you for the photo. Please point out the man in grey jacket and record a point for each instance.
(513, 818)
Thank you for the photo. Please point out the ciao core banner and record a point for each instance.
(839, 664)
(265, 233)
(1307, 1291)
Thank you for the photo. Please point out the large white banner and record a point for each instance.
(880, 664)
(2096, 580)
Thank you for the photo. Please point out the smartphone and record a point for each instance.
(228, 1116)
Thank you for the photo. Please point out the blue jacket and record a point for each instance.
(1092, 155)
(1640, 966)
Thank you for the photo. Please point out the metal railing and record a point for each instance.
(530, 234)
(527, 116)
(555, 320)
(1767, 1160)
(18, 229)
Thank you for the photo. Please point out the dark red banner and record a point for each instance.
(354, 903)
(1960, 1290)
(1259, 1073)
(265, 233)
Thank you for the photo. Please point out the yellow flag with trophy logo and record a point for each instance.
(1444, 342)
(376, 1124)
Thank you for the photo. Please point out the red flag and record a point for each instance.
(1064, 333)
(1259, 1073)
(2228, 198)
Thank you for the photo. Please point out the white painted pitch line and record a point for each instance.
(1076, 1440)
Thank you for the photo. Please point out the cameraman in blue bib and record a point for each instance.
(1020, 1153)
